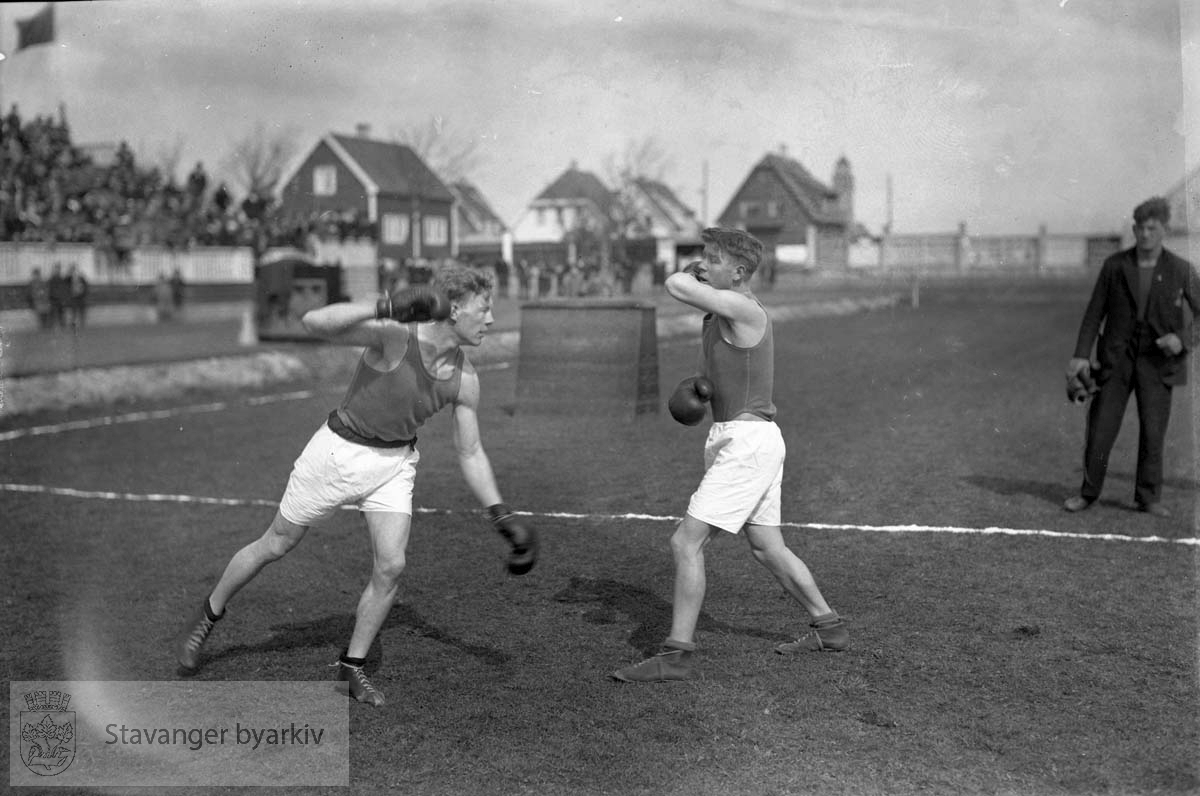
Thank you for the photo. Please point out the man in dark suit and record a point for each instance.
(1139, 301)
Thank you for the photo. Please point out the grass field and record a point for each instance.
(1057, 662)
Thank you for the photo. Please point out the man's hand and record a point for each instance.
(1170, 344)
(1078, 366)
(1081, 386)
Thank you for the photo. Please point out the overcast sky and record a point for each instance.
(1001, 113)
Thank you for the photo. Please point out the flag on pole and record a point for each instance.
(37, 29)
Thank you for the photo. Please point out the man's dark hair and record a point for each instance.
(737, 243)
(1156, 207)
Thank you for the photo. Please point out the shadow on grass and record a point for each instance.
(334, 631)
(1056, 492)
(651, 613)
(1051, 492)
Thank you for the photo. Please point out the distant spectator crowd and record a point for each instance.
(51, 190)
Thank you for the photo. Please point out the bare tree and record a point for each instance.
(451, 154)
(645, 158)
(640, 159)
(256, 161)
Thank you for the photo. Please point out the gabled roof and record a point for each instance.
(806, 189)
(475, 208)
(682, 217)
(577, 184)
(392, 168)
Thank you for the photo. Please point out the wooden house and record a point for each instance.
(802, 222)
(385, 184)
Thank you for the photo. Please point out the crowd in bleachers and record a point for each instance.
(52, 190)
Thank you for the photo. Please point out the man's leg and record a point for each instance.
(829, 632)
(1154, 414)
(766, 543)
(687, 548)
(1103, 424)
(389, 542)
(674, 661)
(280, 537)
(389, 533)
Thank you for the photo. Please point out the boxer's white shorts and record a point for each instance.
(743, 475)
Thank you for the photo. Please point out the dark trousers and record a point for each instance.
(1138, 375)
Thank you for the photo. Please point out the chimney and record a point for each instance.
(362, 130)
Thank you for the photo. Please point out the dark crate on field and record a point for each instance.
(289, 284)
(588, 357)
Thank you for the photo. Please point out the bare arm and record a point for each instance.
(477, 470)
(476, 467)
(348, 323)
(745, 317)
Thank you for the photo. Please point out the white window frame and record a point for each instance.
(435, 231)
(393, 228)
(324, 180)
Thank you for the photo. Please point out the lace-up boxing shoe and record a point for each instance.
(360, 687)
(673, 662)
(191, 639)
(827, 635)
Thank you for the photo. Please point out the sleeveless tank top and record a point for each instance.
(743, 378)
(392, 405)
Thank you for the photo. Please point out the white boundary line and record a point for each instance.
(158, 414)
(257, 502)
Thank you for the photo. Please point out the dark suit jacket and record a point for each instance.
(1111, 313)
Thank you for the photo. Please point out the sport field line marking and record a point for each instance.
(158, 414)
(257, 502)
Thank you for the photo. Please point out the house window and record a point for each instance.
(436, 231)
(772, 209)
(324, 180)
(751, 209)
(394, 228)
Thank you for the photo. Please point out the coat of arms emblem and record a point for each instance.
(47, 732)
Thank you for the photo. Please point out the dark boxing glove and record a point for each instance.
(413, 304)
(521, 537)
(693, 268)
(689, 402)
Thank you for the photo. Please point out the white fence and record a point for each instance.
(199, 266)
(18, 260)
(960, 254)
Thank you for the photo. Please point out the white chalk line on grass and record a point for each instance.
(820, 526)
(156, 414)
